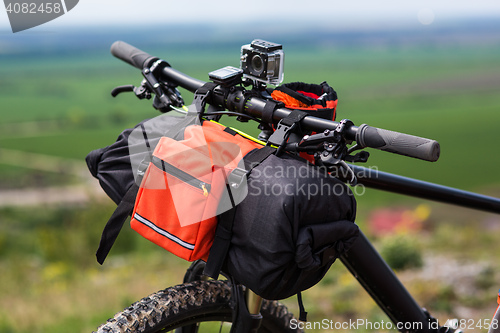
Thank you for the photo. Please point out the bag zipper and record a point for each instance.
(181, 175)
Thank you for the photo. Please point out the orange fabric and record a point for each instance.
(157, 206)
(173, 213)
(289, 101)
(293, 103)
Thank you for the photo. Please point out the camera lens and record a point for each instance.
(257, 64)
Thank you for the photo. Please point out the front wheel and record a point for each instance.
(204, 303)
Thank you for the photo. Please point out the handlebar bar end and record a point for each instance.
(131, 55)
(399, 143)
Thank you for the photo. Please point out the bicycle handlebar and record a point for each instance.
(131, 55)
(364, 135)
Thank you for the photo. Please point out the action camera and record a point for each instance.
(263, 61)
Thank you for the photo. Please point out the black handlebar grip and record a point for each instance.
(399, 143)
(131, 54)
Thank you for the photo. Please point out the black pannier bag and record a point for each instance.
(294, 223)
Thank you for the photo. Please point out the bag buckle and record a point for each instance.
(141, 169)
(236, 178)
(285, 127)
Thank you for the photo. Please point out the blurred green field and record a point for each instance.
(60, 106)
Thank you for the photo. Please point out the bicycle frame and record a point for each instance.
(373, 273)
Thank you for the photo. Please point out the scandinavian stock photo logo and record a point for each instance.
(26, 14)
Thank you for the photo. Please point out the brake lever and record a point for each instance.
(120, 89)
(361, 157)
(141, 92)
(166, 94)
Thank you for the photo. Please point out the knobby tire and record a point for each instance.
(190, 303)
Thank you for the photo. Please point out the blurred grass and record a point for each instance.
(60, 106)
(51, 281)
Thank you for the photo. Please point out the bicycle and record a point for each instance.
(182, 308)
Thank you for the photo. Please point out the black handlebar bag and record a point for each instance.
(114, 165)
(295, 221)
